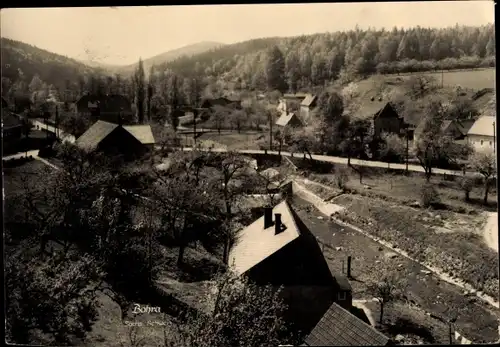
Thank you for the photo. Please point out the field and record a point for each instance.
(372, 260)
(472, 79)
(233, 140)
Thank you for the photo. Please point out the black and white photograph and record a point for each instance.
(306, 174)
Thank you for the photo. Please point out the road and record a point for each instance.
(33, 153)
(340, 160)
(52, 129)
(324, 158)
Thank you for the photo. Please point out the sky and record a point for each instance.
(121, 35)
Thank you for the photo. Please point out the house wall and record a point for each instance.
(306, 305)
(388, 121)
(122, 142)
(481, 142)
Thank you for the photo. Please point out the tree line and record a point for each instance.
(313, 60)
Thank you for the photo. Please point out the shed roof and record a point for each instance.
(95, 134)
(309, 99)
(483, 126)
(285, 118)
(255, 244)
(339, 327)
(143, 133)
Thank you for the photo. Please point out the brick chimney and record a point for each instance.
(278, 228)
(268, 217)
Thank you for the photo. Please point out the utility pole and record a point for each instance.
(442, 78)
(494, 139)
(270, 131)
(194, 126)
(407, 149)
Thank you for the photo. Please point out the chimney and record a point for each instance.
(277, 223)
(268, 217)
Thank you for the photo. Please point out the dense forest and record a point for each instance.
(267, 64)
(315, 59)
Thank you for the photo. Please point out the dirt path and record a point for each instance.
(490, 231)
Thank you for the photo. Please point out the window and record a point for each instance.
(341, 296)
(481, 142)
(490, 143)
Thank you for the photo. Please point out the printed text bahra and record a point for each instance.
(138, 308)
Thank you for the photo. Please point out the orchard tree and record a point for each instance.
(484, 162)
(387, 291)
(237, 312)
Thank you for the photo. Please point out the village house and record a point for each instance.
(383, 117)
(108, 108)
(482, 135)
(131, 142)
(289, 119)
(278, 249)
(222, 101)
(339, 327)
(307, 106)
(290, 102)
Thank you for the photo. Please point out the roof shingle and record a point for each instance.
(142, 133)
(338, 327)
(95, 134)
(255, 244)
(285, 118)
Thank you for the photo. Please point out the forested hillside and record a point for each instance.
(21, 62)
(315, 59)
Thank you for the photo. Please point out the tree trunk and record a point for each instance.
(180, 256)
(486, 190)
(428, 174)
(381, 317)
(467, 196)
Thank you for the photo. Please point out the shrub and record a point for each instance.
(466, 184)
(341, 178)
(429, 196)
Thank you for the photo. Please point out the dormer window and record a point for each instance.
(342, 296)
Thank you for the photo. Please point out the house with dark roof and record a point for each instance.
(383, 116)
(306, 106)
(482, 134)
(457, 129)
(108, 108)
(130, 141)
(222, 101)
(339, 327)
(289, 119)
(278, 249)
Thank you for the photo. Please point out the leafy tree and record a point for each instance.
(292, 64)
(392, 149)
(420, 86)
(484, 162)
(238, 313)
(275, 70)
(74, 124)
(239, 118)
(220, 116)
(466, 184)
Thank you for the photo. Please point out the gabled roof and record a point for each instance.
(95, 134)
(309, 99)
(11, 120)
(142, 133)
(285, 118)
(339, 327)
(254, 244)
(446, 124)
(483, 126)
(465, 125)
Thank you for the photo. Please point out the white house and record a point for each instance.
(482, 134)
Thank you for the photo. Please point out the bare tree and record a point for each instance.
(388, 290)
